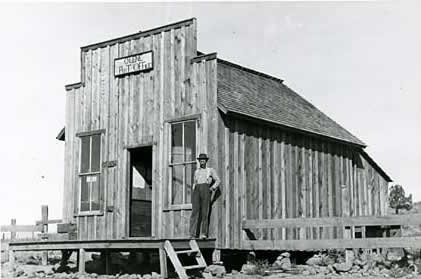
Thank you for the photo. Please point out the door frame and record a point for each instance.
(128, 150)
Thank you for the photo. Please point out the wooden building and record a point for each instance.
(148, 103)
(131, 141)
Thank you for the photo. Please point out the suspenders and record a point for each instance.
(208, 174)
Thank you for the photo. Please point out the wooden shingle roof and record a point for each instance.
(253, 94)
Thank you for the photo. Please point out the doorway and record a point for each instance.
(141, 191)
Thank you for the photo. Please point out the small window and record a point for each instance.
(182, 161)
(90, 169)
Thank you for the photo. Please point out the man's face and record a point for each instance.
(202, 163)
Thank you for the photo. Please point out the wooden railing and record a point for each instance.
(40, 227)
(340, 243)
(389, 220)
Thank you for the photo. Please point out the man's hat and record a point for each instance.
(203, 156)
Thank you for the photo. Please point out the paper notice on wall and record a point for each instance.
(91, 179)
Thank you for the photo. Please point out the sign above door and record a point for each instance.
(135, 63)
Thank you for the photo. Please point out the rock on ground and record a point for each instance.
(315, 260)
(283, 261)
(342, 267)
(216, 270)
(249, 269)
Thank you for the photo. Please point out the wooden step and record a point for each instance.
(179, 268)
(181, 271)
(186, 252)
(194, 267)
(199, 257)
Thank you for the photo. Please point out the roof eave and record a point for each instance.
(376, 166)
(62, 134)
(227, 111)
(75, 85)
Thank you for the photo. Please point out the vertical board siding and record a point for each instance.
(288, 175)
(266, 172)
(132, 109)
(289, 158)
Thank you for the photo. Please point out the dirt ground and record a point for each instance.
(37, 271)
(27, 265)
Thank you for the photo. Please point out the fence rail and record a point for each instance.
(40, 226)
(346, 223)
(322, 244)
(21, 228)
(391, 220)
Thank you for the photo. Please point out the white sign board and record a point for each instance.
(133, 64)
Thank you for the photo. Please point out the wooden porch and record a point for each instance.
(115, 244)
(121, 245)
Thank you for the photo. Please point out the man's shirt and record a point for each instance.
(206, 175)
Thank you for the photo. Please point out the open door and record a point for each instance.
(141, 191)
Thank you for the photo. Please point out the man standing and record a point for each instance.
(201, 198)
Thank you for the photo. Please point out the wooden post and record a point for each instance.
(216, 256)
(106, 260)
(11, 257)
(349, 256)
(347, 230)
(11, 254)
(77, 259)
(6, 253)
(81, 260)
(163, 262)
(13, 234)
(44, 219)
(384, 250)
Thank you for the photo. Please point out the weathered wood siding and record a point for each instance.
(266, 172)
(133, 111)
(202, 101)
(271, 173)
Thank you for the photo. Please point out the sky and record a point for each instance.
(359, 62)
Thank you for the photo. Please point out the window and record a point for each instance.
(182, 161)
(89, 173)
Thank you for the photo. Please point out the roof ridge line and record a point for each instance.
(250, 70)
(207, 56)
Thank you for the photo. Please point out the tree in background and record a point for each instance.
(397, 199)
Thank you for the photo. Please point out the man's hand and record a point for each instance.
(213, 188)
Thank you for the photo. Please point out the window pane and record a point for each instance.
(190, 168)
(96, 191)
(84, 194)
(96, 152)
(84, 167)
(177, 143)
(177, 184)
(190, 141)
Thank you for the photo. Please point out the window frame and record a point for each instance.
(191, 118)
(97, 174)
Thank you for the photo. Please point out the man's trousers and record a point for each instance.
(200, 208)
